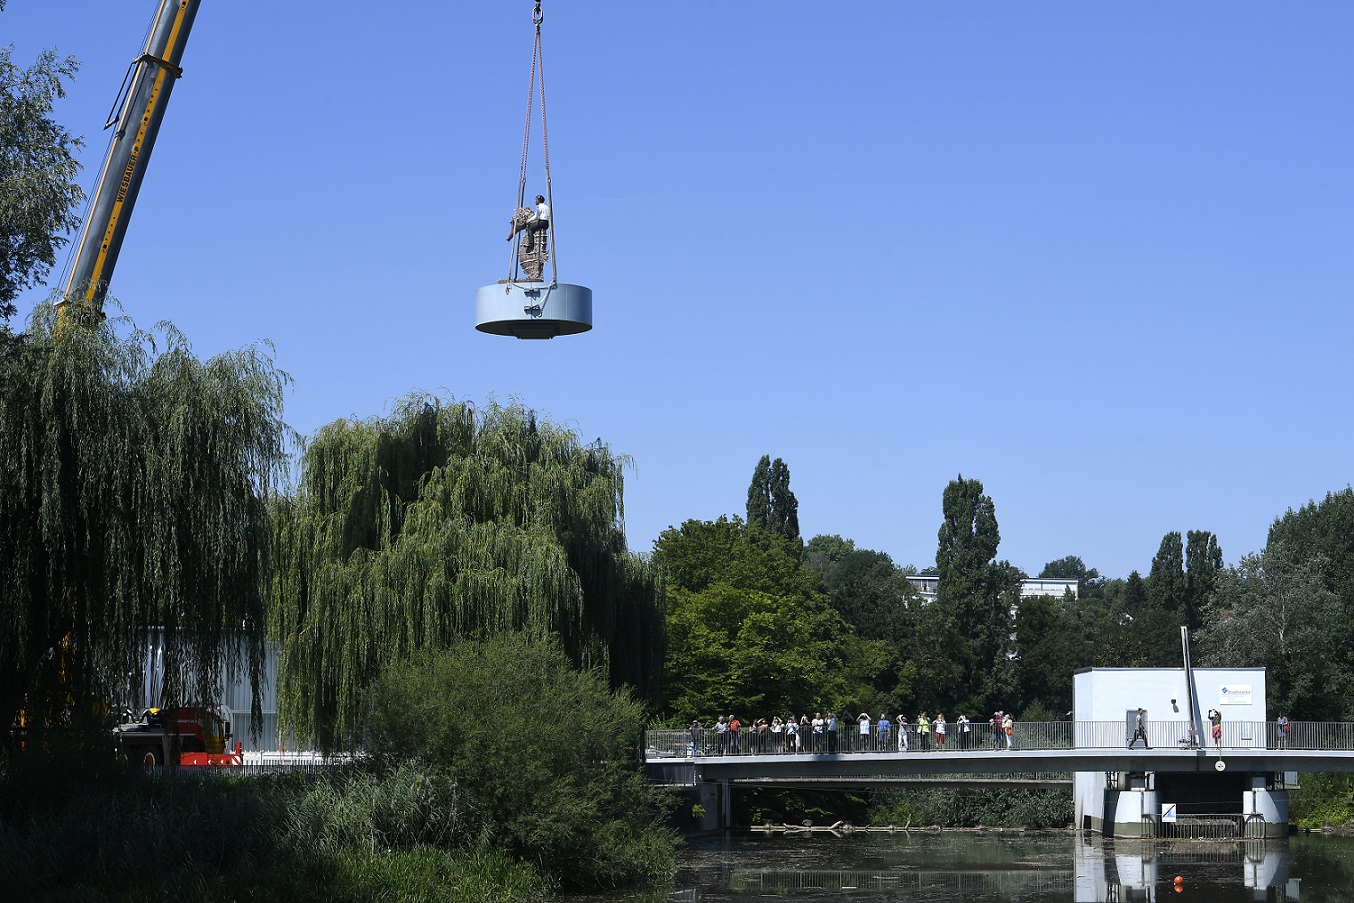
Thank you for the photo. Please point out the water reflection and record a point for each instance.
(1146, 870)
(957, 866)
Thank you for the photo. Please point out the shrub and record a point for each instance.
(550, 756)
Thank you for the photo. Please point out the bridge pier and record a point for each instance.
(1251, 805)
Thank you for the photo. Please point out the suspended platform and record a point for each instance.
(533, 310)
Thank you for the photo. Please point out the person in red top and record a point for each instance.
(734, 725)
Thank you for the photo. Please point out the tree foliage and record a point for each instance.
(440, 523)
(771, 505)
(39, 196)
(1325, 529)
(1275, 612)
(548, 754)
(133, 487)
(867, 589)
(965, 634)
(750, 631)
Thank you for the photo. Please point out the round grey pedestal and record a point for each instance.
(533, 310)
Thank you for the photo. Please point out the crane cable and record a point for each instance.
(537, 64)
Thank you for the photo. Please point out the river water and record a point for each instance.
(994, 866)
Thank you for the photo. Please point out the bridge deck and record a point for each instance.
(1040, 750)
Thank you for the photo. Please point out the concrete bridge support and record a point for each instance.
(1151, 804)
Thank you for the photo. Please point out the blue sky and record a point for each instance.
(1097, 255)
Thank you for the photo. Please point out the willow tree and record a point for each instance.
(133, 479)
(441, 523)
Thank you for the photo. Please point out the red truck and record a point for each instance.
(185, 735)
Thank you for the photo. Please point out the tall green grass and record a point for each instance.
(359, 836)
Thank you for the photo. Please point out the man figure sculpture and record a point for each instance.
(539, 221)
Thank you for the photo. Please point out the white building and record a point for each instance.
(1029, 587)
(1134, 804)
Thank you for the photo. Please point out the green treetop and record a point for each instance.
(38, 193)
(442, 523)
(771, 504)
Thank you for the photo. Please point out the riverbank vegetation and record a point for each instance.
(496, 771)
(959, 807)
(359, 835)
(1322, 801)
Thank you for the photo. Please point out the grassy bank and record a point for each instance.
(356, 836)
(494, 771)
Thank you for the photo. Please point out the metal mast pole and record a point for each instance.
(148, 85)
(1193, 734)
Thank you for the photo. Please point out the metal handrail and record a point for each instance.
(1027, 735)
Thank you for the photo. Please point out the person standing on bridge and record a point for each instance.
(924, 732)
(697, 737)
(721, 734)
(940, 730)
(1140, 729)
(884, 729)
(734, 727)
(832, 733)
(965, 731)
(863, 719)
(1282, 729)
(1008, 727)
(819, 725)
(994, 725)
(1215, 717)
(902, 733)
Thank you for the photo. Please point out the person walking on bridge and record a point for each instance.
(1140, 729)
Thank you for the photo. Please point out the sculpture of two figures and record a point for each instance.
(533, 250)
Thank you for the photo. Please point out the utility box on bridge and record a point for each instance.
(1176, 706)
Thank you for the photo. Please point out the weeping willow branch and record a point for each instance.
(440, 523)
(133, 487)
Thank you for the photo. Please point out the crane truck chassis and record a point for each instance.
(183, 735)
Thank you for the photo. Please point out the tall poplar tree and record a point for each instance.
(441, 523)
(971, 622)
(1203, 563)
(132, 497)
(771, 504)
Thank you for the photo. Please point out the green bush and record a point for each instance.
(354, 836)
(1000, 807)
(1322, 799)
(549, 755)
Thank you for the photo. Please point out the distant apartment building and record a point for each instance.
(1029, 588)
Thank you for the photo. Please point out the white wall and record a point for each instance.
(1105, 694)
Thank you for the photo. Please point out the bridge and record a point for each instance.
(1046, 755)
(1057, 747)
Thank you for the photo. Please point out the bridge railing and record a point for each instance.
(1025, 735)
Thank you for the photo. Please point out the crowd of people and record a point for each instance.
(832, 734)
